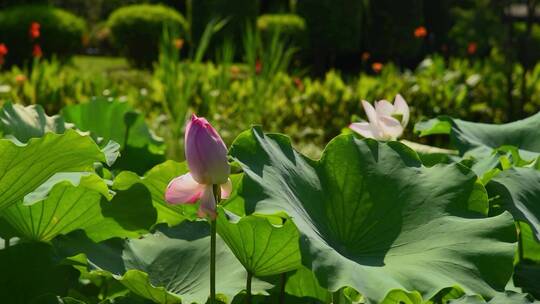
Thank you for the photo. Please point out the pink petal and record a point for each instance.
(183, 190)
(383, 107)
(208, 203)
(401, 107)
(370, 112)
(391, 127)
(226, 189)
(362, 128)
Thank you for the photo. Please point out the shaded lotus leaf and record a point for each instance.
(479, 139)
(117, 121)
(371, 217)
(518, 191)
(168, 266)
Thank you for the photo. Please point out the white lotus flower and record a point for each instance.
(382, 119)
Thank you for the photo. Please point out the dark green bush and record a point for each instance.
(289, 25)
(137, 29)
(334, 27)
(391, 29)
(238, 12)
(61, 32)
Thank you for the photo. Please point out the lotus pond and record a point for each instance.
(373, 220)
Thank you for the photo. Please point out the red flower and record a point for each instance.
(34, 30)
(472, 48)
(420, 32)
(298, 83)
(3, 50)
(178, 43)
(36, 52)
(258, 67)
(366, 56)
(377, 67)
(3, 53)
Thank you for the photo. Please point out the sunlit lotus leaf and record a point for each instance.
(264, 247)
(371, 217)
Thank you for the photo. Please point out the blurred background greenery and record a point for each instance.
(297, 67)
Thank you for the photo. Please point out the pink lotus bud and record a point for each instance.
(206, 153)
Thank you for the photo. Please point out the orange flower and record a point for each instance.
(258, 66)
(235, 70)
(420, 32)
(34, 30)
(377, 67)
(472, 48)
(36, 52)
(298, 83)
(3, 50)
(366, 56)
(20, 79)
(178, 43)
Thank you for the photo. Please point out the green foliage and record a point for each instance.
(60, 34)
(136, 30)
(238, 13)
(289, 25)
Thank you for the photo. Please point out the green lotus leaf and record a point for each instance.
(22, 123)
(263, 247)
(303, 283)
(30, 271)
(518, 191)
(371, 217)
(479, 139)
(81, 201)
(24, 167)
(168, 266)
(117, 121)
(156, 180)
(502, 298)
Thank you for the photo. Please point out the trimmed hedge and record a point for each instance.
(137, 29)
(289, 25)
(60, 32)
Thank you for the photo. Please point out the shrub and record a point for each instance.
(289, 25)
(60, 32)
(136, 30)
(334, 26)
(238, 12)
(391, 29)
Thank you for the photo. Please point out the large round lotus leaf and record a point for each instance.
(371, 217)
(479, 139)
(169, 266)
(156, 181)
(70, 201)
(518, 191)
(24, 167)
(263, 247)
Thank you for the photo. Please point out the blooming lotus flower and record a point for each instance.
(383, 124)
(206, 155)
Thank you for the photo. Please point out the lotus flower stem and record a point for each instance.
(248, 287)
(213, 262)
(213, 223)
(282, 288)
